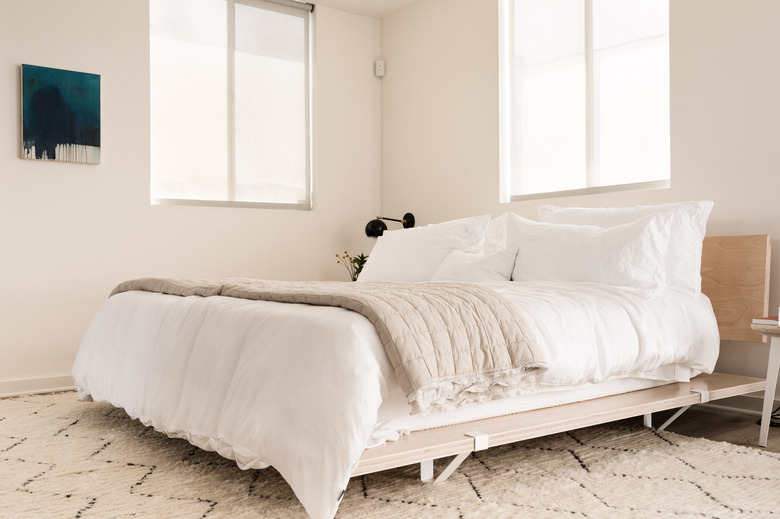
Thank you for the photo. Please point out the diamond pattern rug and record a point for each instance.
(62, 458)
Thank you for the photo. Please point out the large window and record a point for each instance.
(584, 96)
(230, 102)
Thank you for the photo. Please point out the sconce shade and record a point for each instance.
(377, 227)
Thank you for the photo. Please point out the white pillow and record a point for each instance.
(415, 254)
(465, 266)
(688, 225)
(495, 237)
(629, 255)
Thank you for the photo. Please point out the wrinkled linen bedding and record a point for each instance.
(449, 343)
(598, 340)
(226, 373)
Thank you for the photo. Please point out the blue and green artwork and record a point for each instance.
(60, 115)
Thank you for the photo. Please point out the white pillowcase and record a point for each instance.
(465, 266)
(495, 237)
(629, 255)
(687, 222)
(415, 254)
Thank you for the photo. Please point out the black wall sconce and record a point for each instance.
(376, 227)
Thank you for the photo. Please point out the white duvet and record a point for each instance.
(299, 387)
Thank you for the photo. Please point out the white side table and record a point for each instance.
(773, 332)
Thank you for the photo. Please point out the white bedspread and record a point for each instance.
(219, 371)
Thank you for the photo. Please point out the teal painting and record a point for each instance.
(60, 115)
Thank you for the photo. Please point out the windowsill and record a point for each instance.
(300, 206)
(639, 186)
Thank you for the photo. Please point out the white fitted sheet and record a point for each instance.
(393, 421)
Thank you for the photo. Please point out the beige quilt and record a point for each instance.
(449, 343)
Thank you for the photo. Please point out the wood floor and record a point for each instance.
(719, 425)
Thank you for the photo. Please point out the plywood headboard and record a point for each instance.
(735, 276)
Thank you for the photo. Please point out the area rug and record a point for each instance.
(62, 458)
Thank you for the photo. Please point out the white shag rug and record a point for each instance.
(62, 458)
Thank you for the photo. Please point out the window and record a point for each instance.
(230, 102)
(584, 96)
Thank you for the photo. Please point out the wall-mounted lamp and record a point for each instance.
(376, 227)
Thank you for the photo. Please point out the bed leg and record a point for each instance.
(481, 442)
(426, 469)
(704, 397)
(674, 417)
(648, 420)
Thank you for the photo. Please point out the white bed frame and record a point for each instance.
(735, 276)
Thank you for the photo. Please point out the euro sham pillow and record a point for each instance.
(415, 254)
(629, 255)
(687, 223)
(466, 266)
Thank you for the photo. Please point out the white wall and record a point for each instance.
(440, 121)
(70, 232)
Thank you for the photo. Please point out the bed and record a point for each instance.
(602, 320)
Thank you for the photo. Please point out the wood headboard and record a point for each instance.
(735, 276)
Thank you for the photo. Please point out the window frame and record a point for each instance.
(507, 109)
(230, 72)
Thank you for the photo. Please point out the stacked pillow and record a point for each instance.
(645, 247)
(687, 222)
(449, 251)
(415, 254)
(476, 267)
(628, 255)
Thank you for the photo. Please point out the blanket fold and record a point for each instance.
(449, 343)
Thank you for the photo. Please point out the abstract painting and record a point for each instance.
(60, 115)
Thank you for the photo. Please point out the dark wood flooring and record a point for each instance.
(719, 425)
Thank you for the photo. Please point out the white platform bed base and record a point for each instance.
(735, 276)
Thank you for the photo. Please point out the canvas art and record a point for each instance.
(60, 115)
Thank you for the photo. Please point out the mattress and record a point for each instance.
(226, 374)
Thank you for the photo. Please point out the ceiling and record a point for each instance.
(373, 8)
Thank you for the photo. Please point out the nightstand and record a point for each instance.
(773, 332)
